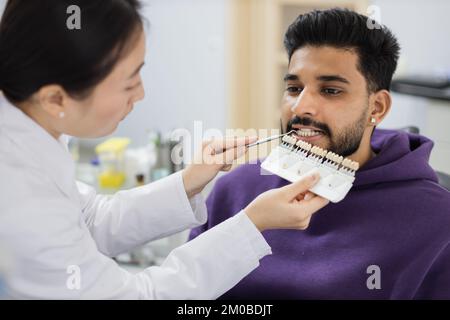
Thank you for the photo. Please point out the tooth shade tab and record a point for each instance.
(318, 151)
(293, 141)
(334, 157)
(285, 139)
(352, 165)
(304, 145)
(346, 163)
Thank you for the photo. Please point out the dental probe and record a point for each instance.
(269, 139)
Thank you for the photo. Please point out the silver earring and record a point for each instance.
(373, 120)
(62, 115)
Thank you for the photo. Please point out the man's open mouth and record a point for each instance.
(307, 133)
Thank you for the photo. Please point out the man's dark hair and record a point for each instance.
(377, 48)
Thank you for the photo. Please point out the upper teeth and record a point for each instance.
(307, 132)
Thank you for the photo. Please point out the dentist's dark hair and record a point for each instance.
(376, 46)
(37, 48)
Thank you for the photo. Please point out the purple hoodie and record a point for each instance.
(395, 218)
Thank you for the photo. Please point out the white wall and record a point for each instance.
(423, 30)
(422, 27)
(184, 74)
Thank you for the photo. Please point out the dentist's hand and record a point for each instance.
(215, 156)
(290, 207)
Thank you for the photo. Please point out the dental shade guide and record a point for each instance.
(294, 158)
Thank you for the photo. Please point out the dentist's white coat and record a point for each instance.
(50, 223)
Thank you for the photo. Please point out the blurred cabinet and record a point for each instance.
(257, 61)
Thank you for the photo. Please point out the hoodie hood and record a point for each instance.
(401, 156)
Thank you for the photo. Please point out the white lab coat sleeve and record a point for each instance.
(207, 266)
(56, 258)
(133, 217)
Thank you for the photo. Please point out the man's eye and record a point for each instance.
(331, 91)
(294, 90)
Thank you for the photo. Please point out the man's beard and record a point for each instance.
(344, 143)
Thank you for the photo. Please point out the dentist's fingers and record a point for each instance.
(314, 204)
(306, 209)
(221, 145)
(230, 155)
(309, 195)
(305, 223)
(227, 168)
(302, 185)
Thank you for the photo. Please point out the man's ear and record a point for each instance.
(53, 99)
(380, 105)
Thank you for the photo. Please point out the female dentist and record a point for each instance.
(83, 82)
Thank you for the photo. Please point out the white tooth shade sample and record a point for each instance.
(293, 159)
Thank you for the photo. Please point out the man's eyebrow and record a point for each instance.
(329, 78)
(291, 77)
(137, 70)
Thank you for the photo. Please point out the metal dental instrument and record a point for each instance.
(269, 139)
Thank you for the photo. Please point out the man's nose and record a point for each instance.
(306, 104)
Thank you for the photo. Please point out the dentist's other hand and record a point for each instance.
(216, 155)
(289, 207)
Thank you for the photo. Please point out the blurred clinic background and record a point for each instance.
(219, 64)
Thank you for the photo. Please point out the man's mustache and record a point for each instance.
(310, 123)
